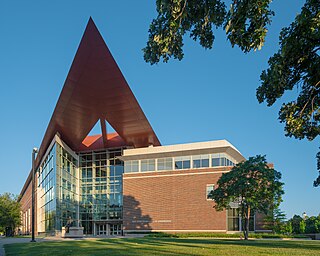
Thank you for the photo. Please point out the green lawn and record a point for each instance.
(166, 246)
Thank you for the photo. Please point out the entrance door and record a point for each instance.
(102, 229)
(115, 229)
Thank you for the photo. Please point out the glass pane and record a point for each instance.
(89, 173)
(144, 165)
(161, 164)
(196, 163)
(127, 166)
(215, 161)
(135, 166)
(151, 165)
(205, 163)
(168, 164)
(178, 164)
(186, 164)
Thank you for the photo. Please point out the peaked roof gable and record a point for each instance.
(96, 89)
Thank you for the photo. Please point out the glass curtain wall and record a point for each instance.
(67, 182)
(46, 196)
(100, 188)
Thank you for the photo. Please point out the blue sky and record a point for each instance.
(208, 95)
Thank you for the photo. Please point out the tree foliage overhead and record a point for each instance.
(297, 66)
(245, 23)
(294, 66)
(255, 186)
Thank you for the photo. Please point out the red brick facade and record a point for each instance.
(26, 210)
(172, 201)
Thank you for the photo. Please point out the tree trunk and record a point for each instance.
(246, 224)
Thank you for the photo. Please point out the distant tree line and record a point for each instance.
(276, 221)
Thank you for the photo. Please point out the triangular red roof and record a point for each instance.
(96, 89)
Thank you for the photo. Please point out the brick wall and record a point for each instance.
(26, 210)
(171, 201)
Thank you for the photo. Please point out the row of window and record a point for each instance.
(103, 188)
(178, 163)
(111, 198)
(99, 155)
(114, 170)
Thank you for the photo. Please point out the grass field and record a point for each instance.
(166, 246)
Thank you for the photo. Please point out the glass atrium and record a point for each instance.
(85, 188)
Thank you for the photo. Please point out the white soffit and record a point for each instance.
(217, 146)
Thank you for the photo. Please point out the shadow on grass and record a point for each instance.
(191, 242)
(286, 244)
(92, 248)
(153, 246)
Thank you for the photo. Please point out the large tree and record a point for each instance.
(253, 185)
(295, 65)
(9, 211)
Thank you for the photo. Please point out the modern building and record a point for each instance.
(123, 181)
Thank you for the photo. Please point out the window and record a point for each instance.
(131, 166)
(230, 163)
(182, 162)
(234, 220)
(221, 160)
(164, 164)
(215, 160)
(147, 165)
(210, 188)
(200, 161)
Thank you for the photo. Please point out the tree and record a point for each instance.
(302, 227)
(287, 228)
(295, 221)
(275, 221)
(296, 65)
(9, 211)
(312, 225)
(245, 23)
(255, 186)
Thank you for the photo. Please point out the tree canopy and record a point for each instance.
(297, 65)
(253, 185)
(9, 211)
(245, 23)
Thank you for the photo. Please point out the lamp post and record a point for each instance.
(34, 151)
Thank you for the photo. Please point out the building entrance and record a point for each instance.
(102, 230)
(115, 229)
(106, 229)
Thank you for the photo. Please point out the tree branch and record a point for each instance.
(182, 11)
